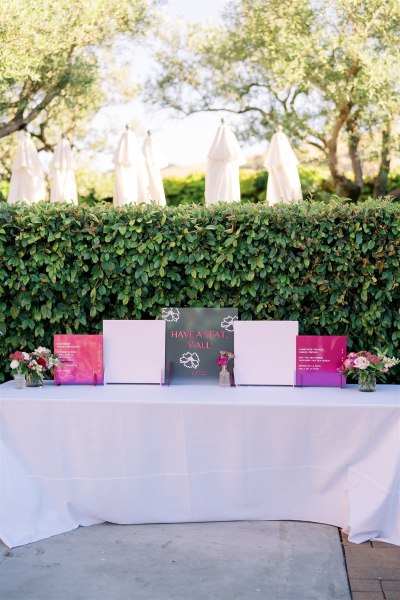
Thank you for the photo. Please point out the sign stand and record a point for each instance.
(58, 382)
(169, 373)
(304, 379)
(233, 384)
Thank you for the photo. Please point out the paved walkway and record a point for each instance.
(247, 560)
(373, 569)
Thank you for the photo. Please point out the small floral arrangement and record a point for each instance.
(224, 358)
(363, 362)
(34, 363)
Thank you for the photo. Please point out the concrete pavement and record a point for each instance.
(246, 560)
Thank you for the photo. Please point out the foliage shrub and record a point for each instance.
(4, 188)
(315, 183)
(393, 187)
(334, 267)
(185, 190)
(94, 187)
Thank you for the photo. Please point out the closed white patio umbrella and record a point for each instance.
(131, 178)
(283, 176)
(154, 162)
(222, 174)
(27, 178)
(63, 184)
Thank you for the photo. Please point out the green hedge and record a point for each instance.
(253, 187)
(333, 267)
(315, 184)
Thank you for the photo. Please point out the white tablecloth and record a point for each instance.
(76, 455)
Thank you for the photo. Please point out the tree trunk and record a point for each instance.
(380, 185)
(354, 140)
(344, 186)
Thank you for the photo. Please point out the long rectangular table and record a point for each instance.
(79, 455)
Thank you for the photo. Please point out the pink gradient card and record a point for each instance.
(82, 358)
(318, 358)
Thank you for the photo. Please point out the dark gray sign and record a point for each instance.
(194, 337)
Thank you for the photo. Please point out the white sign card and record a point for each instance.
(134, 351)
(265, 352)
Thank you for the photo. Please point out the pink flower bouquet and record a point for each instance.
(363, 361)
(34, 363)
(224, 357)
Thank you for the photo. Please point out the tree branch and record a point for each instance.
(19, 121)
(320, 147)
(41, 136)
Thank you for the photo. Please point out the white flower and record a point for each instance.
(26, 355)
(227, 323)
(170, 314)
(42, 350)
(390, 362)
(14, 364)
(190, 360)
(361, 362)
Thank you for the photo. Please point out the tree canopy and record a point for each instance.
(51, 64)
(322, 70)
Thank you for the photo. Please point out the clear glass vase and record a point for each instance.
(34, 380)
(19, 381)
(224, 376)
(366, 381)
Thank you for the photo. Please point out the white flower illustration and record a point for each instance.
(190, 360)
(227, 323)
(170, 314)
